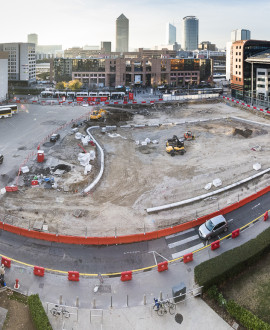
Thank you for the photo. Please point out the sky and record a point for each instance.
(88, 22)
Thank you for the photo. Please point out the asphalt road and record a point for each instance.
(20, 134)
(110, 259)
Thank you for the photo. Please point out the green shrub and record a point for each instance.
(231, 262)
(245, 317)
(38, 315)
(217, 296)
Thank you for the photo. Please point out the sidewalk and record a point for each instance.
(194, 313)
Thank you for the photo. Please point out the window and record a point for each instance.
(261, 73)
(236, 66)
(236, 53)
(239, 79)
(236, 72)
(261, 79)
(236, 79)
(261, 86)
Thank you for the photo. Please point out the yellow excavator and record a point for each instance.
(98, 114)
(175, 146)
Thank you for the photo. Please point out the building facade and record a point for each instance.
(106, 47)
(32, 38)
(3, 76)
(240, 34)
(170, 34)
(260, 67)
(134, 71)
(190, 38)
(21, 62)
(122, 34)
(243, 79)
(206, 45)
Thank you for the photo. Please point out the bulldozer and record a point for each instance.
(189, 136)
(175, 146)
(98, 114)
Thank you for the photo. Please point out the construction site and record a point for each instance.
(223, 145)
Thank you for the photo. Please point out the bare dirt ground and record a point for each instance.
(18, 316)
(137, 177)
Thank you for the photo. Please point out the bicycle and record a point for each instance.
(162, 307)
(58, 310)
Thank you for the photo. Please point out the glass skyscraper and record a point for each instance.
(190, 33)
(170, 34)
(122, 33)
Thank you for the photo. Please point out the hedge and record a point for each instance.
(232, 262)
(240, 314)
(38, 314)
(245, 317)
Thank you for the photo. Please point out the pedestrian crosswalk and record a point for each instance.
(184, 242)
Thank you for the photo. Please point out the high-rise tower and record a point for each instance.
(32, 38)
(170, 34)
(122, 33)
(190, 33)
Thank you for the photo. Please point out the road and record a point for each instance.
(118, 258)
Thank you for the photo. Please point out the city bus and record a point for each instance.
(117, 95)
(5, 112)
(46, 94)
(58, 94)
(103, 94)
(82, 94)
(93, 94)
(14, 108)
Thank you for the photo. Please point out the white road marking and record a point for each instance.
(182, 253)
(183, 241)
(255, 206)
(230, 220)
(179, 234)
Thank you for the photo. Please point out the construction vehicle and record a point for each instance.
(189, 136)
(98, 114)
(175, 146)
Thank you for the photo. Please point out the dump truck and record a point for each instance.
(175, 146)
(98, 114)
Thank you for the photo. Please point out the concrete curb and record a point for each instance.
(197, 198)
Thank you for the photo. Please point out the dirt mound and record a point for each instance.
(62, 167)
(245, 133)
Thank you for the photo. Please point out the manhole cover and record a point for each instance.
(178, 318)
(41, 285)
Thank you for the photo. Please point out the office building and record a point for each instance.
(21, 61)
(32, 38)
(243, 72)
(122, 34)
(240, 34)
(3, 76)
(206, 45)
(170, 34)
(190, 33)
(106, 46)
(146, 68)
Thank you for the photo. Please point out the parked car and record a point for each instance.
(1, 159)
(213, 227)
(55, 137)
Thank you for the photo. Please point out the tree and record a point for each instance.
(74, 85)
(61, 85)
